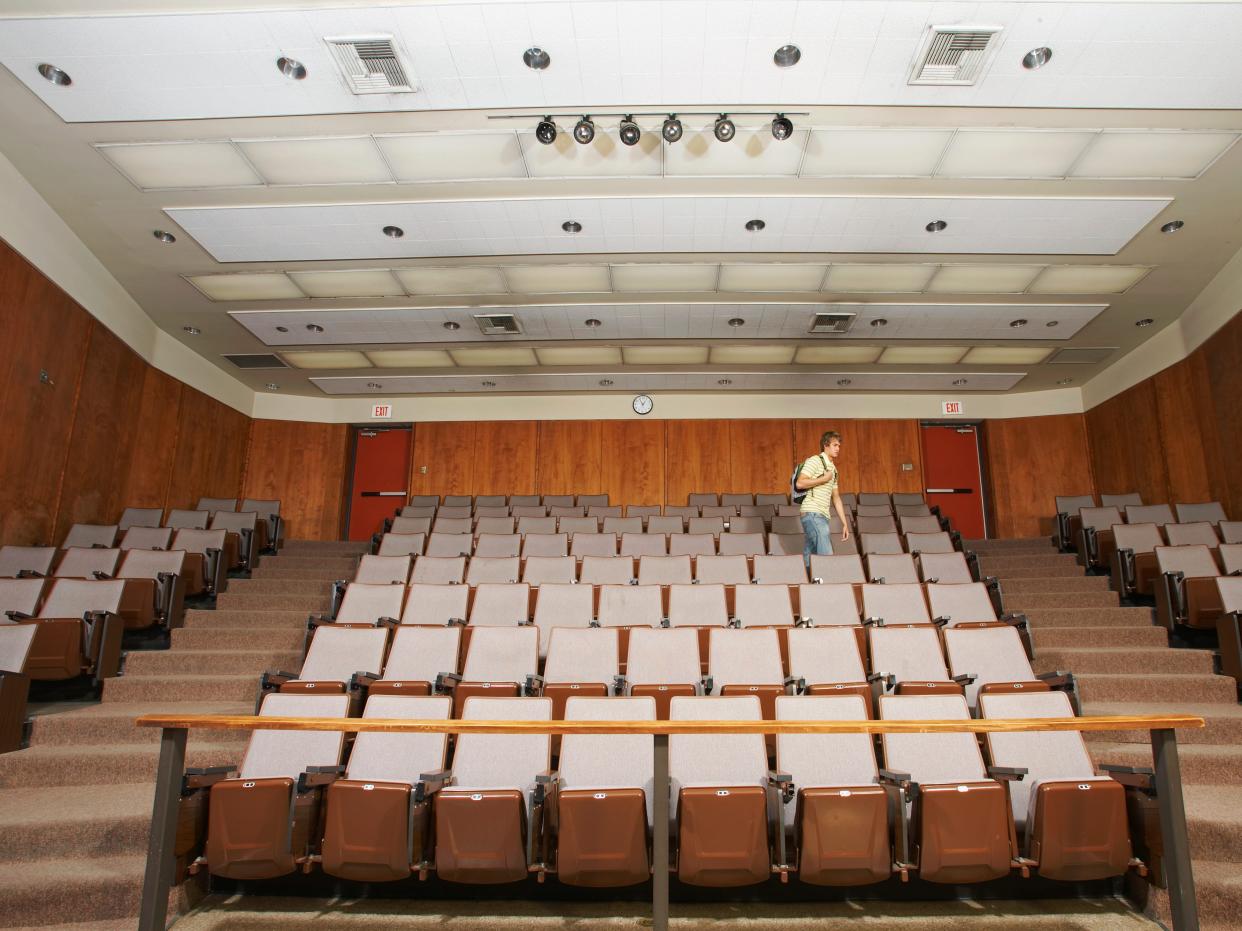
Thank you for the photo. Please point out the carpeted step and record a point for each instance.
(311, 604)
(1218, 888)
(1066, 571)
(95, 765)
(1089, 617)
(1082, 637)
(277, 572)
(58, 892)
(223, 661)
(1224, 722)
(1201, 764)
(309, 587)
(243, 619)
(113, 723)
(1121, 660)
(1214, 817)
(181, 688)
(318, 547)
(1002, 543)
(1030, 601)
(206, 637)
(337, 567)
(1085, 583)
(1173, 689)
(1048, 557)
(49, 822)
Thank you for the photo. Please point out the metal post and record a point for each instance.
(1178, 875)
(161, 861)
(659, 840)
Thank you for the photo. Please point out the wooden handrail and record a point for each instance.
(442, 726)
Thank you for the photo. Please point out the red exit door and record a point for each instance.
(381, 474)
(952, 471)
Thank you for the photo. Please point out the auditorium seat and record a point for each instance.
(873, 510)
(742, 544)
(498, 544)
(748, 525)
(592, 501)
(748, 662)
(668, 524)
(428, 512)
(1134, 569)
(697, 605)
(955, 605)
(541, 570)
(210, 550)
(339, 659)
(582, 661)
(261, 820)
(449, 544)
(86, 535)
(1186, 592)
(873, 498)
(849, 499)
(789, 510)
(623, 525)
(906, 498)
(662, 664)
(1192, 534)
(625, 605)
(418, 657)
(500, 604)
(763, 605)
(377, 817)
(571, 512)
(1210, 511)
(664, 570)
(765, 512)
(490, 513)
(19, 561)
(562, 605)
(944, 568)
(187, 520)
(840, 815)
(411, 525)
(1122, 501)
(435, 604)
(79, 630)
(592, 544)
(786, 544)
(530, 511)
(457, 501)
(1070, 821)
(577, 525)
(489, 501)
(558, 501)
(81, 563)
(494, 525)
(604, 512)
(920, 525)
(883, 543)
(545, 544)
(642, 511)
(20, 598)
(602, 807)
(268, 510)
(691, 544)
(140, 517)
(537, 525)
(1229, 627)
(909, 661)
(827, 660)
(493, 569)
(988, 660)
(721, 795)
(481, 827)
(402, 544)
(916, 512)
(146, 538)
(895, 604)
(1230, 531)
(773, 499)
(1231, 558)
(1068, 522)
(162, 601)
(369, 604)
(250, 533)
(721, 570)
(524, 501)
(607, 570)
(921, 543)
(869, 525)
(425, 501)
(383, 570)
(500, 662)
(707, 525)
(778, 570)
(644, 544)
(961, 830)
(828, 605)
(439, 570)
(1095, 542)
(889, 569)
(1159, 514)
(212, 505)
(15, 645)
(451, 525)
(833, 569)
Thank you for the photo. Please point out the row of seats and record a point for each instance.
(646, 512)
(837, 810)
(75, 626)
(1079, 520)
(695, 499)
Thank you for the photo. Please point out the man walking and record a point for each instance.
(818, 478)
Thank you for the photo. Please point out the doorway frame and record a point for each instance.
(985, 478)
(352, 460)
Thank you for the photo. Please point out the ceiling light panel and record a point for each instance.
(861, 153)
(751, 153)
(605, 156)
(248, 287)
(983, 279)
(507, 355)
(363, 282)
(348, 160)
(459, 279)
(820, 355)
(157, 166)
(1006, 355)
(579, 355)
(921, 355)
(751, 355)
(1088, 279)
(452, 156)
(777, 276)
(893, 279)
(558, 279)
(1012, 154)
(1151, 154)
(334, 359)
(665, 277)
(653, 224)
(966, 321)
(664, 355)
(410, 358)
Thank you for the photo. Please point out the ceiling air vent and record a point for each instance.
(832, 323)
(954, 55)
(370, 65)
(498, 324)
(1083, 356)
(256, 360)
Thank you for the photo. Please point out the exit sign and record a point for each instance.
(381, 412)
(952, 408)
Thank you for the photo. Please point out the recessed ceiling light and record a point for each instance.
(605, 382)
(736, 322)
(879, 321)
(55, 75)
(1172, 226)
(291, 68)
(488, 384)
(584, 131)
(724, 129)
(272, 386)
(958, 382)
(394, 232)
(672, 128)
(314, 327)
(192, 330)
(1052, 323)
(754, 226)
(571, 226)
(592, 323)
(164, 237)
(629, 131)
(787, 56)
(782, 127)
(935, 226)
(374, 384)
(842, 382)
(724, 381)
(1146, 321)
(1065, 381)
(282, 329)
(1037, 58)
(1020, 322)
(452, 325)
(536, 58)
(545, 131)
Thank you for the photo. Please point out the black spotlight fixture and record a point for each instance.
(545, 132)
(724, 128)
(672, 128)
(630, 133)
(782, 127)
(584, 131)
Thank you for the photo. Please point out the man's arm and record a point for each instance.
(840, 506)
(806, 484)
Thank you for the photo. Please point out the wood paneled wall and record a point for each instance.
(1031, 460)
(305, 466)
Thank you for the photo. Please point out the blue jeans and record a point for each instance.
(817, 535)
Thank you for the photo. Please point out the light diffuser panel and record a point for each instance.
(558, 279)
(499, 355)
(1088, 279)
(983, 279)
(1012, 154)
(879, 278)
(752, 355)
(1151, 154)
(328, 359)
(860, 153)
(921, 355)
(317, 161)
(575, 355)
(817, 355)
(461, 279)
(181, 165)
(664, 277)
(1006, 355)
(251, 287)
(771, 277)
(410, 358)
(362, 282)
(664, 355)
(453, 156)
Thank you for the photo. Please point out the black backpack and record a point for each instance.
(796, 494)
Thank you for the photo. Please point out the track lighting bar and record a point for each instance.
(723, 128)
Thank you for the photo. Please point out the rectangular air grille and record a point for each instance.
(370, 65)
(256, 360)
(832, 323)
(954, 55)
(498, 324)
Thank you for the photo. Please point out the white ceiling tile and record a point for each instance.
(453, 156)
(773, 276)
(921, 355)
(334, 359)
(500, 355)
(983, 279)
(410, 358)
(605, 156)
(664, 355)
(579, 355)
(814, 355)
(751, 355)
(1088, 279)
(247, 287)
(154, 166)
(856, 153)
(752, 152)
(348, 160)
(1151, 154)
(653, 277)
(461, 279)
(1006, 355)
(558, 279)
(1012, 153)
(362, 282)
(879, 278)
